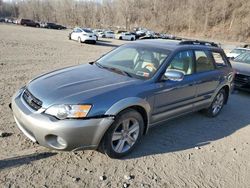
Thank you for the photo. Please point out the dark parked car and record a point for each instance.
(109, 104)
(50, 25)
(2, 20)
(241, 64)
(27, 22)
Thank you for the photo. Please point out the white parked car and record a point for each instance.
(109, 34)
(236, 52)
(125, 36)
(83, 35)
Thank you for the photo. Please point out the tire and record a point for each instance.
(120, 38)
(132, 39)
(126, 139)
(215, 108)
(79, 40)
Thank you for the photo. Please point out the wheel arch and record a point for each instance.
(138, 104)
(227, 91)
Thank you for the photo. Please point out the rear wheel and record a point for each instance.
(217, 104)
(120, 38)
(124, 134)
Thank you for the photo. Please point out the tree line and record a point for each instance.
(228, 19)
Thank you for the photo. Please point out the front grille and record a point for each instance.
(242, 79)
(32, 101)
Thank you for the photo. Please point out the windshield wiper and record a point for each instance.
(113, 69)
(119, 70)
(99, 65)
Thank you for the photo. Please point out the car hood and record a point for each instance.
(242, 68)
(75, 85)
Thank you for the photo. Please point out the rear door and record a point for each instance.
(174, 98)
(208, 77)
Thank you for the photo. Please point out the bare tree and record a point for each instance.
(190, 17)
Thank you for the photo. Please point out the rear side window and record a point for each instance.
(203, 61)
(219, 60)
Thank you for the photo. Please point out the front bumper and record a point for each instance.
(242, 82)
(56, 134)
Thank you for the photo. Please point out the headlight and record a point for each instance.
(68, 111)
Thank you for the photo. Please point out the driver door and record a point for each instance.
(174, 98)
(75, 34)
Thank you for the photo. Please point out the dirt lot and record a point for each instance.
(192, 151)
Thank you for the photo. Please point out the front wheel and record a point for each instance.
(124, 134)
(79, 40)
(217, 104)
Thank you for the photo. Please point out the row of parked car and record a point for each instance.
(89, 35)
(32, 23)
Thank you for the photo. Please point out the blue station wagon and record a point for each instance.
(111, 103)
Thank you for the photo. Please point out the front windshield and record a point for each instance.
(238, 51)
(137, 61)
(243, 58)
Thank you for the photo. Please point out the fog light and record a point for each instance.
(56, 142)
(61, 141)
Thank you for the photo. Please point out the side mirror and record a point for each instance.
(174, 75)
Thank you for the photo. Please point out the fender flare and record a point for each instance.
(130, 102)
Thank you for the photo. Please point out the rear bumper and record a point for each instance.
(58, 134)
(89, 39)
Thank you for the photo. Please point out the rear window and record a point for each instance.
(87, 30)
(219, 60)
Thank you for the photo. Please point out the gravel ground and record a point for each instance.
(191, 151)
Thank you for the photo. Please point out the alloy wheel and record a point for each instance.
(125, 135)
(218, 103)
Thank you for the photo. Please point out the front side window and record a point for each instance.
(203, 61)
(137, 61)
(183, 62)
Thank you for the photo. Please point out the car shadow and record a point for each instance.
(26, 159)
(195, 130)
(102, 43)
(106, 41)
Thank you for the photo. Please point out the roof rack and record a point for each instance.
(198, 42)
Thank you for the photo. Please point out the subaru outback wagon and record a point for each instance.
(111, 103)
